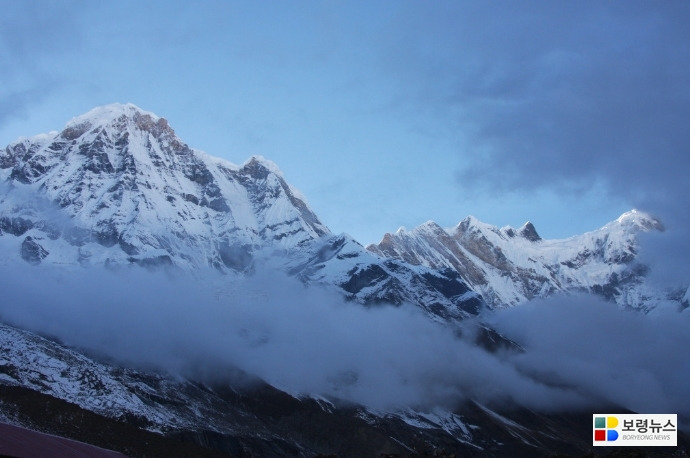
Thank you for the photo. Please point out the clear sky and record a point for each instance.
(388, 113)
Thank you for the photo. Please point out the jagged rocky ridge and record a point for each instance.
(509, 266)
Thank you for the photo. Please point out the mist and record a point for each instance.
(579, 352)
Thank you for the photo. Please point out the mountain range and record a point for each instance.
(509, 266)
(116, 188)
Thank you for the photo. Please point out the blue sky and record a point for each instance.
(388, 113)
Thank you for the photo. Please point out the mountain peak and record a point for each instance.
(258, 164)
(117, 116)
(640, 219)
(430, 226)
(139, 194)
(107, 113)
(529, 232)
(472, 224)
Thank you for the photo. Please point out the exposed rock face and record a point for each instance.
(15, 226)
(529, 232)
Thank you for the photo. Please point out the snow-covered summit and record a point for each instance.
(260, 161)
(103, 115)
(636, 219)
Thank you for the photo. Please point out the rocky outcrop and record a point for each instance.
(32, 251)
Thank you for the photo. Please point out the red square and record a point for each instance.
(599, 434)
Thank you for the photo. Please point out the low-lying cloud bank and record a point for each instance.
(637, 361)
(580, 352)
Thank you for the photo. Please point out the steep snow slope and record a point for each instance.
(508, 266)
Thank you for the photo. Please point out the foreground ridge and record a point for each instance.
(164, 415)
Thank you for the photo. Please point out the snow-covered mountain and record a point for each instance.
(509, 266)
(117, 187)
(132, 191)
(370, 279)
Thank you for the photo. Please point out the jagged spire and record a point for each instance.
(529, 232)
